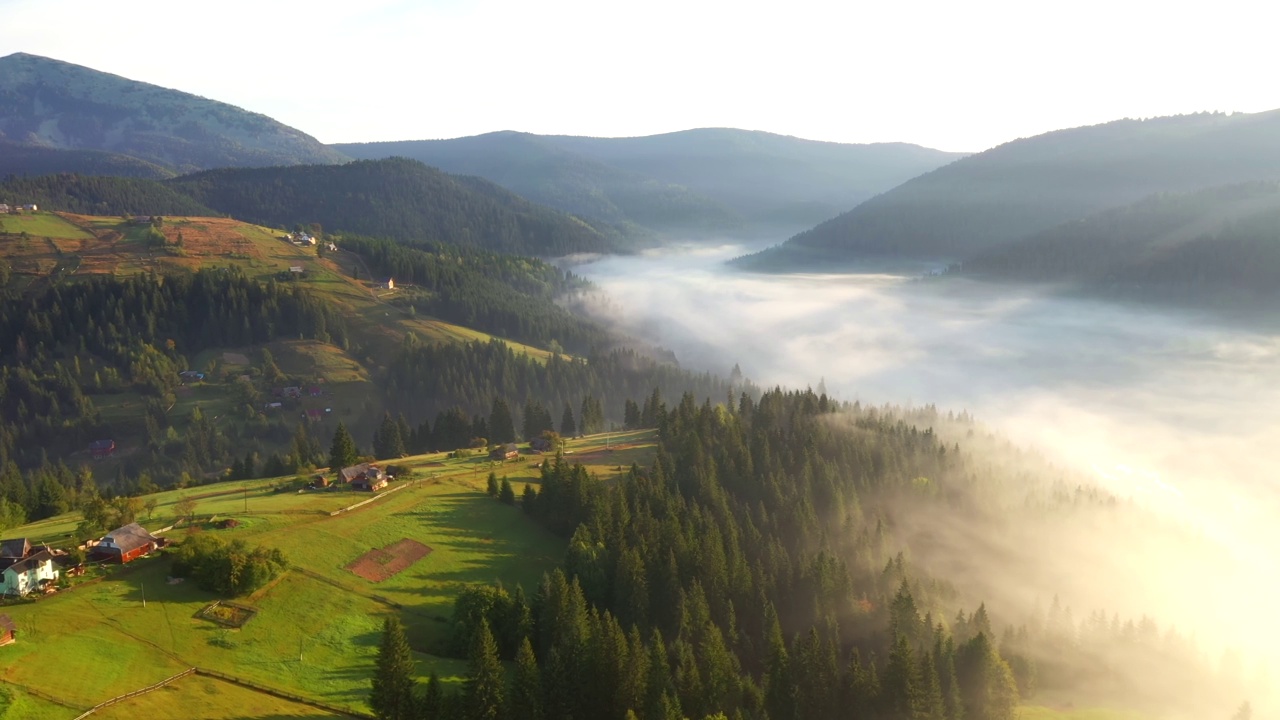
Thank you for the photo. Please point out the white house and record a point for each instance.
(29, 573)
(30, 208)
(4, 208)
(389, 284)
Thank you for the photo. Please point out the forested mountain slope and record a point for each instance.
(99, 195)
(396, 198)
(1220, 244)
(1029, 185)
(780, 560)
(31, 160)
(695, 182)
(54, 104)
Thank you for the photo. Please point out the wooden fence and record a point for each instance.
(135, 693)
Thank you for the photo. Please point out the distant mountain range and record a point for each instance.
(1029, 185)
(59, 106)
(706, 182)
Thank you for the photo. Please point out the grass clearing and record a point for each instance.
(205, 698)
(316, 630)
(43, 224)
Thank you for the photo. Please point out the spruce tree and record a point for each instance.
(501, 426)
(491, 487)
(506, 494)
(526, 692)
(485, 678)
(387, 442)
(432, 705)
(342, 452)
(392, 696)
(568, 428)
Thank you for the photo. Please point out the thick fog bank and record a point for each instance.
(1170, 410)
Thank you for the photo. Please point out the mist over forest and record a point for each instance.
(1170, 415)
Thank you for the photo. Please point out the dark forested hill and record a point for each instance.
(538, 169)
(1222, 243)
(694, 182)
(92, 195)
(1032, 184)
(17, 159)
(54, 104)
(397, 198)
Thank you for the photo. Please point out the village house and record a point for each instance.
(313, 415)
(24, 568)
(30, 208)
(540, 444)
(191, 375)
(390, 284)
(507, 451)
(364, 477)
(124, 544)
(4, 208)
(331, 247)
(99, 449)
(8, 631)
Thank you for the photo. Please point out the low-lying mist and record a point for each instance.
(1176, 416)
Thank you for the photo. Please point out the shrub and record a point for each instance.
(230, 568)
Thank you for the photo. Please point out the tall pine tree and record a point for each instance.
(392, 696)
(342, 452)
(485, 678)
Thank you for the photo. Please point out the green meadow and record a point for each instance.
(317, 627)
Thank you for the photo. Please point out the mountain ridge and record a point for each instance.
(50, 103)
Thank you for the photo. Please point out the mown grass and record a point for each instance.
(42, 224)
(17, 705)
(205, 698)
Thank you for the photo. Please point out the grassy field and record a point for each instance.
(207, 698)
(42, 225)
(317, 628)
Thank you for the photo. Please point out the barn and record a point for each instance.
(124, 544)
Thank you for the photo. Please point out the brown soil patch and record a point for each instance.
(378, 565)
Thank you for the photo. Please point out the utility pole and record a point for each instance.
(143, 588)
(246, 497)
(299, 649)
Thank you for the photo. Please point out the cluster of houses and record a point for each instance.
(6, 209)
(27, 568)
(299, 238)
(102, 449)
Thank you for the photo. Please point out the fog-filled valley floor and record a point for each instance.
(1175, 416)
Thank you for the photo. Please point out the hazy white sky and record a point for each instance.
(952, 75)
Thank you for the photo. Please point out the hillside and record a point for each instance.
(1220, 244)
(17, 159)
(1029, 185)
(537, 169)
(54, 104)
(397, 198)
(99, 195)
(695, 182)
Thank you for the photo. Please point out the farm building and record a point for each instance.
(191, 375)
(364, 477)
(4, 208)
(540, 444)
(14, 549)
(30, 207)
(313, 415)
(507, 451)
(127, 543)
(27, 574)
(8, 631)
(100, 449)
(390, 284)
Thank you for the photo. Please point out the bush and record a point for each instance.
(230, 568)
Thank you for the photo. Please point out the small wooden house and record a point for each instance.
(100, 449)
(125, 544)
(8, 631)
(364, 477)
(506, 451)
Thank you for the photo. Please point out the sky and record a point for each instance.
(961, 76)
